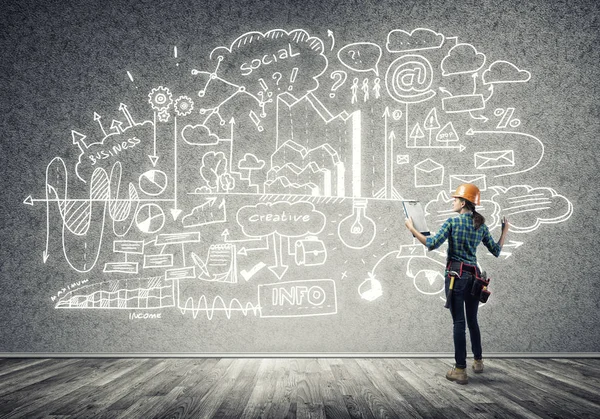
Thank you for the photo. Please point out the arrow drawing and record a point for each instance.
(279, 269)
(174, 211)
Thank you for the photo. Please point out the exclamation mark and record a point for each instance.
(175, 54)
(130, 77)
(293, 77)
(256, 120)
(263, 84)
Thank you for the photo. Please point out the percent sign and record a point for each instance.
(506, 118)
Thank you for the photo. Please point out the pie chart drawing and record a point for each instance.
(153, 182)
(429, 282)
(150, 218)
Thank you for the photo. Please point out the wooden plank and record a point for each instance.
(334, 406)
(568, 392)
(401, 407)
(146, 406)
(45, 394)
(374, 396)
(196, 380)
(309, 398)
(150, 386)
(584, 367)
(553, 393)
(34, 374)
(465, 397)
(392, 368)
(574, 376)
(590, 365)
(114, 374)
(356, 403)
(18, 365)
(262, 393)
(284, 397)
(88, 401)
(62, 382)
(237, 397)
(195, 387)
(525, 389)
(431, 394)
(176, 372)
(207, 405)
(486, 391)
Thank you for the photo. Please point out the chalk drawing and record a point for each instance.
(286, 157)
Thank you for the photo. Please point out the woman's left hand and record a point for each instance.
(408, 222)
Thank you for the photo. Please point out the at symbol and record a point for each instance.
(408, 79)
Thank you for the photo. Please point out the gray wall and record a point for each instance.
(199, 177)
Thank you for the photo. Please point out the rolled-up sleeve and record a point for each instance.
(489, 242)
(433, 242)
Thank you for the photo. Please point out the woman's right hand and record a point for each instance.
(505, 225)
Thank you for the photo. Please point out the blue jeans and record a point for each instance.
(463, 307)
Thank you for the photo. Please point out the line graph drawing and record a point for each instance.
(142, 293)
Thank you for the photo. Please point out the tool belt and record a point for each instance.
(479, 288)
(461, 267)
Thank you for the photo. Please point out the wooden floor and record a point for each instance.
(295, 388)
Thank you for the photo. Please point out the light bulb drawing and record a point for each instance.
(357, 230)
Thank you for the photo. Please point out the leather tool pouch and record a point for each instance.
(479, 288)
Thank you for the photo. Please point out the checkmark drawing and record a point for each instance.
(249, 274)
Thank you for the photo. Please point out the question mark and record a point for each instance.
(341, 77)
(278, 78)
(353, 54)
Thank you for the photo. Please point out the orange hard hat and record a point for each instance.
(469, 192)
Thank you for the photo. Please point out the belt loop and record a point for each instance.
(461, 269)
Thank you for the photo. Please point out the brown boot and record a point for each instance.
(458, 375)
(478, 366)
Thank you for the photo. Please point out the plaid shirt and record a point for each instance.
(463, 239)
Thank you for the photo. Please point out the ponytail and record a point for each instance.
(478, 219)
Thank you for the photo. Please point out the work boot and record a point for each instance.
(478, 365)
(459, 375)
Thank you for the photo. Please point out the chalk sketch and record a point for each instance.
(274, 182)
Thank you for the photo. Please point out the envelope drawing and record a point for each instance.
(494, 159)
(428, 173)
(402, 158)
(478, 180)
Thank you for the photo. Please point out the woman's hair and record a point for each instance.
(478, 219)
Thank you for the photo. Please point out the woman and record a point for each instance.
(464, 233)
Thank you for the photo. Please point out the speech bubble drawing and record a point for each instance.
(283, 218)
(361, 56)
(275, 60)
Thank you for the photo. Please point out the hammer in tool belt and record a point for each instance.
(453, 275)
